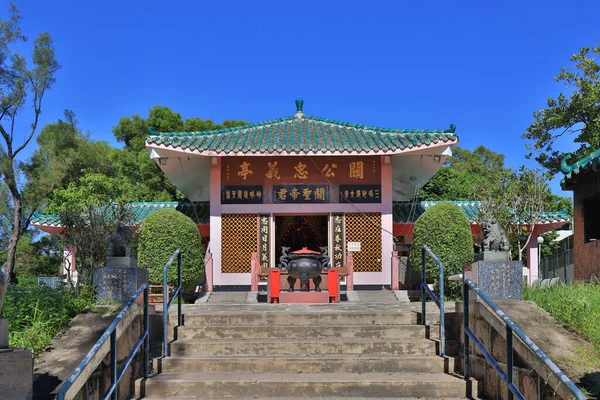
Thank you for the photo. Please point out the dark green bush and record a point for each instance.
(444, 228)
(163, 232)
(37, 313)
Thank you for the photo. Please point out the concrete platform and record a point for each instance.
(304, 297)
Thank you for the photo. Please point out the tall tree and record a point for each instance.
(516, 204)
(17, 81)
(465, 175)
(576, 113)
(133, 161)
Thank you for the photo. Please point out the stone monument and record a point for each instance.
(16, 381)
(493, 271)
(120, 277)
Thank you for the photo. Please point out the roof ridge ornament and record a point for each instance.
(565, 168)
(299, 105)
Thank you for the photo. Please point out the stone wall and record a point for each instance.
(586, 255)
(95, 379)
(533, 379)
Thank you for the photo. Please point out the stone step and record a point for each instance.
(303, 319)
(232, 332)
(314, 364)
(313, 398)
(308, 347)
(371, 385)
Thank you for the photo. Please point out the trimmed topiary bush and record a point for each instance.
(163, 232)
(444, 228)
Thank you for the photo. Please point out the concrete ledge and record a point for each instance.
(203, 298)
(352, 296)
(402, 296)
(16, 374)
(252, 297)
(304, 297)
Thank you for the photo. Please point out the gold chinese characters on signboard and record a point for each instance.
(338, 241)
(334, 170)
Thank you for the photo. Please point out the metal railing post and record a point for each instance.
(147, 332)
(509, 362)
(113, 365)
(442, 317)
(165, 315)
(467, 368)
(423, 283)
(180, 292)
(565, 261)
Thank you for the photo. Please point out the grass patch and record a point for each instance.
(576, 306)
(37, 313)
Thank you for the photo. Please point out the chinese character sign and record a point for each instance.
(360, 193)
(263, 253)
(300, 194)
(239, 194)
(273, 170)
(338, 240)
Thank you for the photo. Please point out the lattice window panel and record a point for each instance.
(366, 229)
(239, 239)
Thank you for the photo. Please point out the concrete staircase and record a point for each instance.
(285, 351)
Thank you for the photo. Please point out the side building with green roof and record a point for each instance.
(583, 178)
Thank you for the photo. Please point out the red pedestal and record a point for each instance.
(333, 286)
(274, 285)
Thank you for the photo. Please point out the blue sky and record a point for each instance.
(484, 66)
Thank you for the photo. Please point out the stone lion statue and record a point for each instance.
(494, 237)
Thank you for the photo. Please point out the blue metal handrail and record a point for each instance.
(177, 292)
(510, 329)
(116, 374)
(438, 302)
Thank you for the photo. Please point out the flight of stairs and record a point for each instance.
(278, 351)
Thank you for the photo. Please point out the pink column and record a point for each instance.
(533, 259)
(387, 219)
(255, 270)
(350, 271)
(213, 274)
(395, 275)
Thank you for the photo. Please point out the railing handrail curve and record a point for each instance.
(166, 305)
(438, 302)
(111, 332)
(511, 328)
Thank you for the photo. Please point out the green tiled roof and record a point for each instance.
(587, 163)
(198, 212)
(301, 134)
(407, 211)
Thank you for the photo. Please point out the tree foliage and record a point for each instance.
(444, 228)
(18, 80)
(92, 211)
(465, 175)
(517, 205)
(134, 163)
(575, 113)
(163, 232)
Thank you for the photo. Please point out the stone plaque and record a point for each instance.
(118, 284)
(499, 280)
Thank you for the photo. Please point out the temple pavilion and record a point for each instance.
(303, 181)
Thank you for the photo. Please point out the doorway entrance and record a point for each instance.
(298, 231)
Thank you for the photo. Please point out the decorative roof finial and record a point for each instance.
(299, 105)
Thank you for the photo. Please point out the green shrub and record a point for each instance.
(445, 229)
(163, 232)
(37, 313)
